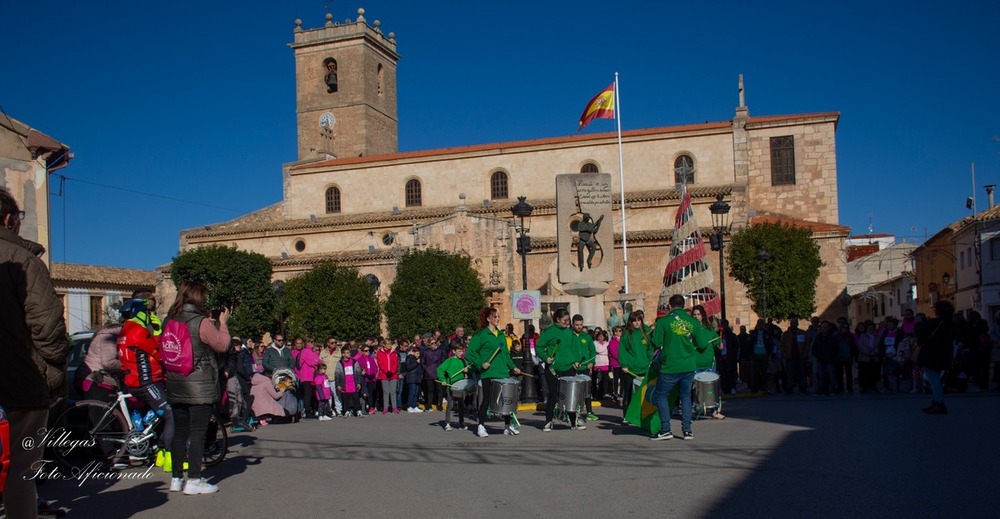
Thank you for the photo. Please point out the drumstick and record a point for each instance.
(494, 355)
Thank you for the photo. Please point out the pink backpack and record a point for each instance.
(176, 349)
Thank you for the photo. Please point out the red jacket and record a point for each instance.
(388, 362)
(139, 353)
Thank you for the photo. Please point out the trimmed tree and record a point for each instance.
(239, 280)
(434, 290)
(788, 275)
(331, 301)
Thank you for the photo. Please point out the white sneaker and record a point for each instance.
(176, 484)
(481, 432)
(447, 426)
(199, 486)
(511, 431)
(548, 427)
(414, 410)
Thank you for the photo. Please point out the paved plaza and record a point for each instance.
(775, 456)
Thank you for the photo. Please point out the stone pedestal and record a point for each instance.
(589, 301)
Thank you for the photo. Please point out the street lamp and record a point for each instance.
(763, 257)
(523, 210)
(721, 225)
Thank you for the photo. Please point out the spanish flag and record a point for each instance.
(601, 106)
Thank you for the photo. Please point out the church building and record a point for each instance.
(353, 198)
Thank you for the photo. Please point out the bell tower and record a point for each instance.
(345, 89)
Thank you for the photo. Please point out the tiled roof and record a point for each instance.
(513, 145)
(766, 217)
(67, 273)
(269, 218)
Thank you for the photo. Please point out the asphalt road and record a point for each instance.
(774, 457)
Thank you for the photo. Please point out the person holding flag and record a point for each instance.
(489, 355)
(679, 338)
(635, 352)
(563, 354)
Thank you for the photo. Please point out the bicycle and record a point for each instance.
(97, 431)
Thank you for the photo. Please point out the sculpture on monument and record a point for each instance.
(586, 230)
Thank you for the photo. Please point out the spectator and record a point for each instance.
(936, 341)
(413, 376)
(277, 356)
(193, 396)
(388, 374)
(323, 394)
(614, 364)
(431, 358)
(101, 354)
(348, 380)
(34, 350)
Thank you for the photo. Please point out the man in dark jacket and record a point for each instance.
(431, 358)
(936, 339)
(824, 349)
(33, 347)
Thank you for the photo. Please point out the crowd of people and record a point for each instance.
(256, 383)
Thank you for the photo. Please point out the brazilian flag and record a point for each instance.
(642, 411)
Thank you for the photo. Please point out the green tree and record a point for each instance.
(433, 290)
(237, 279)
(331, 301)
(788, 275)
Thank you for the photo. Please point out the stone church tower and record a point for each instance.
(345, 89)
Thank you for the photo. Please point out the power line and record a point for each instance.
(153, 195)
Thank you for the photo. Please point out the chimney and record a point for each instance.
(989, 193)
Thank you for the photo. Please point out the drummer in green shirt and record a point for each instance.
(635, 352)
(453, 371)
(489, 355)
(562, 354)
(679, 338)
(586, 342)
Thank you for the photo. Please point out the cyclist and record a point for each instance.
(139, 352)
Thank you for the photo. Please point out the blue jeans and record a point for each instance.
(664, 384)
(413, 390)
(933, 378)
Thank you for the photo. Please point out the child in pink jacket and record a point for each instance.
(323, 393)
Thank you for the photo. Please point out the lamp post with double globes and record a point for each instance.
(721, 226)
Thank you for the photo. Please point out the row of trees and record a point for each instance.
(434, 289)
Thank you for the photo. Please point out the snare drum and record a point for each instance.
(572, 392)
(463, 387)
(706, 390)
(506, 391)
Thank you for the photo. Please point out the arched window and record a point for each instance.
(332, 200)
(589, 167)
(413, 193)
(330, 76)
(498, 185)
(684, 170)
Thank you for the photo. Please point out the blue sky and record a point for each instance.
(195, 100)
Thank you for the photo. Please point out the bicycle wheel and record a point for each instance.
(216, 441)
(89, 431)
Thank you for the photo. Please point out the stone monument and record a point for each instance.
(585, 240)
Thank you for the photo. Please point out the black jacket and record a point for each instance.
(936, 344)
(413, 372)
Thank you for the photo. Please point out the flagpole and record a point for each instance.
(621, 180)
